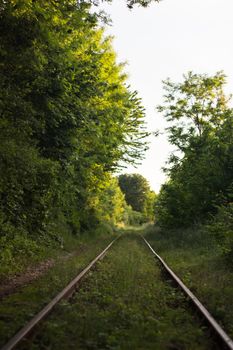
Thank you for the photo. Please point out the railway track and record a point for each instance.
(72, 287)
(65, 293)
(227, 341)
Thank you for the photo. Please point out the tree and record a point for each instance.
(137, 193)
(109, 202)
(67, 115)
(130, 3)
(144, 3)
(201, 168)
(150, 206)
(194, 108)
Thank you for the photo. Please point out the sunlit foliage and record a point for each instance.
(67, 119)
(201, 170)
(138, 195)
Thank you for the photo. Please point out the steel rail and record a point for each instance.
(66, 292)
(214, 324)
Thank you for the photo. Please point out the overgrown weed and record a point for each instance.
(198, 260)
(123, 305)
(18, 308)
(19, 250)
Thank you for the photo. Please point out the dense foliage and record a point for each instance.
(201, 168)
(67, 119)
(138, 195)
(221, 227)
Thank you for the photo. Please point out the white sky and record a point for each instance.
(167, 40)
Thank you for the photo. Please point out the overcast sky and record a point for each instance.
(167, 40)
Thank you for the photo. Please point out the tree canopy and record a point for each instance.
(67, 119)
(138, 194)
(200, 170)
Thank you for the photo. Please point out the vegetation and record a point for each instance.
(130, 3)
(221, 228)
(110, 313)
(19, 307)
(138, 195)
(193, 254)
(194, 217)
(67, 120)
(143, 3)
(201, 169)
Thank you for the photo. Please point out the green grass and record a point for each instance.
(196, 258)
(18, 308)
(18, 251)
(125, 303)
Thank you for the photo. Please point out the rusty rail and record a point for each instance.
(208, 317)
(66, 292)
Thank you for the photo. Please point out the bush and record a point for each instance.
(16, 251)
(133, 217)
(221, 226)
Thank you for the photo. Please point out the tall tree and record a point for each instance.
(201, 167)
(67, 116)
(136, 189)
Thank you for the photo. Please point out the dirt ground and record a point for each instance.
(10, 285)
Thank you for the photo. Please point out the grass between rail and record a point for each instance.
(125, 303)
(195, 257)
(21, 306)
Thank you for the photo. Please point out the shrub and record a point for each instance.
(221, 226)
